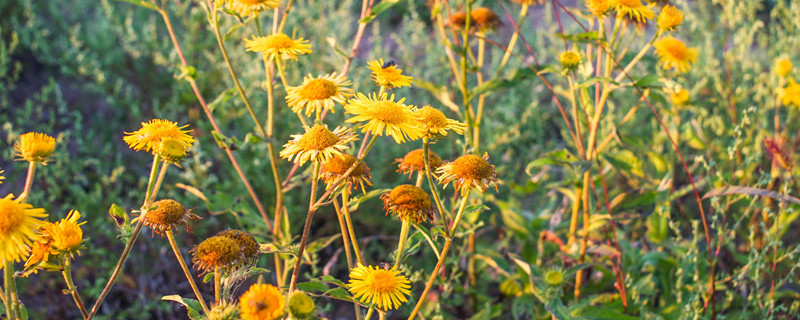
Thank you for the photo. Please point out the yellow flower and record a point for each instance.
(318, 144)
(387, 289)
(634, 9)
(570, 60)
(18, 225)
(783, 67)
(261, 302)
(669, 18)
(154, 132)
(2, 177)
(172, 150)
(675, 54)
(248, 244)
(458, 20)
(434, 123)
(680, 97)
(414, 161)
(790, 94)
(388, 75)
(469, 171)
(217, 252)
(408, 202)
(528, 2)
(485, 19)
(35, 147)
(250, 7)
(40, 252)
(383, 114)
(598, 8)
(278, 45)
(335, 167)
(168, 214)
(316, 94)
(66, 234)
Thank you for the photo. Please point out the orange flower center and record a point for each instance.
(432, 118)
(12, 215)
(279, 41)
(319, 89)
(676, 49)
(387, 111)
(317, 138)
(381, 281)
(472, 167)
(410, 198)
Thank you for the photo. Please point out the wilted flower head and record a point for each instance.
(484, 19)
(35, 147)
(217, 252)
(317, 94)
(388, 74)
(458, 20)
(469, 171)
(278, 45)
(434, 123)
(168, 214)
(317, 144)
(414, 161)
(674, 54)
(383, 114)
(634, 9)
(669, 19)
(262, 302)
(387, 289)
(336, 167)
(247, 243)
(409, 202)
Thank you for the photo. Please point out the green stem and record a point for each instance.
(434, 187)
(349, 221)
(306, 228)
(8, 278)
(465, 197)
(217, 285)
(186, 271)
(401, 243)
(28, 182)
(161, 173)
(67, 273)
(279, 65)
(370, 311)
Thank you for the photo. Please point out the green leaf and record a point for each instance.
(192, 306)
(592, 81)
(583, 37)
(600, 313)
(339, 293)
(378, 9)
(560, 157)
(649, 81)
(728, 190)
(333, 280)
(223, 97)
(657, 227)
(358, 200)
(557, 308)
(495, 84)
(313, 286)
(524, 307)
(571, 271)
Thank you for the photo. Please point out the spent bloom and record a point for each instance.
(634, 9)
(484, 19)
(246, 8)
(674, 54)
(317, 144)
(409, 203)
(316, 94)
(783, 67)
(414, 161)
(262, 302)
(335, 168)
(383, 114)
(18, 224)
(160, 136)
(35, 147)
(669, 18)
(387, 289)
(434, 123)
(469, 171)
(388, 75)
(247, 243)
(790, 95)
(167, 215)
(217, 252)
(278, 45)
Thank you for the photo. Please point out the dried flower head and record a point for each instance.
(262, 302)
(168, 214)
(317, 94)
(485, 19)
(457, 20)
(387, 289)
(414, 161)
(383, 114)
(317, 144)
(570, 60)
(246, 8)
(250, 247)
(153, 133)
(409, 202)
(634, 9)
(388, 74)
(469, 171)
(278, 45)
(336, 167)
(669, 18)
(783, 67)
(674, 54)
(790, 95)
(599, 8)
(35, 147)
(435, 124)
(18, 224)
(216, 252)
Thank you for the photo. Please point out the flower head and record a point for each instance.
(18, 224)
(790, 94)
(675, 54)
(248, 244)
(783, 67)
(278, 45)
(434, 123)
(223, 311)
(408, 202)
(35, 147)
(217, 252)
(457, 20)
(40, 252)
(336, 167)
(634, 9)
(414, 161)
(262, 302)
(167, 215)
(66, 234)
(680, 97)
(599, 8)
(160, 136)
(316, 94)
(246, 8)
(387, 289)
(469, 171)
(669, 18)
(388, 75)
(383, 114)
(485, 19)
(301, 305)
(554, 277)
(317, 144)
(570, 60)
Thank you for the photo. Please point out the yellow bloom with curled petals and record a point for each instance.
(469, 171)
(669, 18)
(384, 115)
(66, 235)
(634, 9)
(154, 132)
(388, 75)
(680, 97)
(674, 54)
(18, 225)
(35, 147)
(318, 144)
(387, 289)
(317, 94)
(278, 45)
(434, 123)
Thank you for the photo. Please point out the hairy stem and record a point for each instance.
(189, 277)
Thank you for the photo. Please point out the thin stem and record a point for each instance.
(432, 278)
(161, 173)
(429, 175)
(586, 217)
(370, 311)
(11, 302)
(401, 243)
(285, 14)
(279, 65)
(513, 41)
(67, 273)
(306, 228)
(476, 133)
(465, 197)
(349, 221)
(186, 271)
(28, 182)
(217, 285)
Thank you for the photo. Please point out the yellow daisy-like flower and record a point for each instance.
(66, 234)
(154, 132)
(469, 170)
(250, 7)
(598, 8)
(278, 45)
(318, 144)
(18, 225)
(388, 75)
(790, 95)
(168, 214)
(40, 252)
(387, 289)
(35, 147)
(485, 19)
(783, 67)
(414, 161)
(262, 302)
(409, 202)
(217, 252)
(570, 60)
(335, 167)
(674, 54)
(634, 9)
(383, 114)
(669, 18)
(680, 97)
(316, 94)
(434, 123)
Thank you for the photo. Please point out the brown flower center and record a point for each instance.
(472, 167)
(317, 138)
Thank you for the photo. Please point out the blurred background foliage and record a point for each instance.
(87, 71)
